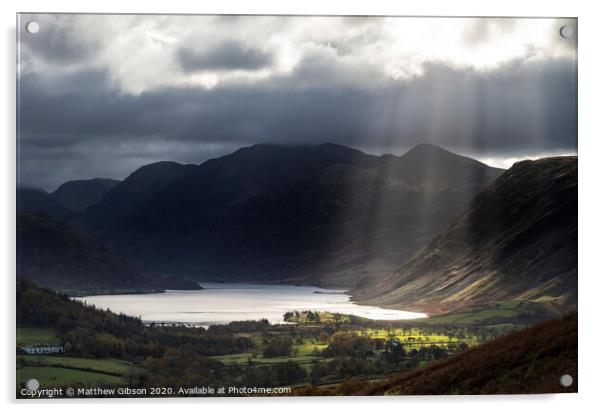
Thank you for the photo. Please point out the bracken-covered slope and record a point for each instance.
(54, 255)
(531, 360)
(516, 241)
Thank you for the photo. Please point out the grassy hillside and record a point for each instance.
(53, 370)
(36, 335)
(510, 312)
(516, 241)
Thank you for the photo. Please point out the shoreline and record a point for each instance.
(226, 302)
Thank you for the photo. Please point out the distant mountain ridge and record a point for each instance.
(52, 254)
(439, 169)
(78, 195)
(70, 199)
(323, 214)
(516, 240)
(30, 200)
(128, 195)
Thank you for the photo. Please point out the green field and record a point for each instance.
(52, 371)
(415, 337)
(106, 366)
(52, 376)
(34, 335)
(235, 359)
(303, 354)
(245, 358)
(499, 313)
(306, 349)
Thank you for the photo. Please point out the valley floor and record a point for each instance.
(482, 350)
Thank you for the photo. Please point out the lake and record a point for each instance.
(220, 303)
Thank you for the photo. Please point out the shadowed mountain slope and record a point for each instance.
(516, 241)
(324, 214)
(128, 195)
(52, 254)
(41, 202)
(434, 168)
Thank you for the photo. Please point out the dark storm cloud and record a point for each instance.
(56, 43)
(229, 55)
(519, 108)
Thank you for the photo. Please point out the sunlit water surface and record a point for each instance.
(220, 303)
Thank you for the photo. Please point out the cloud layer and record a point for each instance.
(102, 95)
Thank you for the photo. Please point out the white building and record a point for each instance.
(42, 349)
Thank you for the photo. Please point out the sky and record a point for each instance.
(101, 95)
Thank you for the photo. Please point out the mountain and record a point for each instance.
(78, 195)
(528, 361)
(52, 254)
(434, 168)
(516, 241)
(38, 201)
(323, 214)
(128, 195)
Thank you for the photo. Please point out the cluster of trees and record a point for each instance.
(240, 327)
(277, 347)
(356, 355)
(89, 332)
(324, 318)
(345, 368)
(305, 316)
(184, 367)
(347, 344)
(277, 374)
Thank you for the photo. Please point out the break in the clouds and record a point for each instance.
(101, 95)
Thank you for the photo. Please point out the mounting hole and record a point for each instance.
(32, 384)
(566, 31)
(566, 380)
(32, 27)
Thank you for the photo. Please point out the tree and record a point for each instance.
(277, 347)
(316, 373)
(394, 351)
(287, 373)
